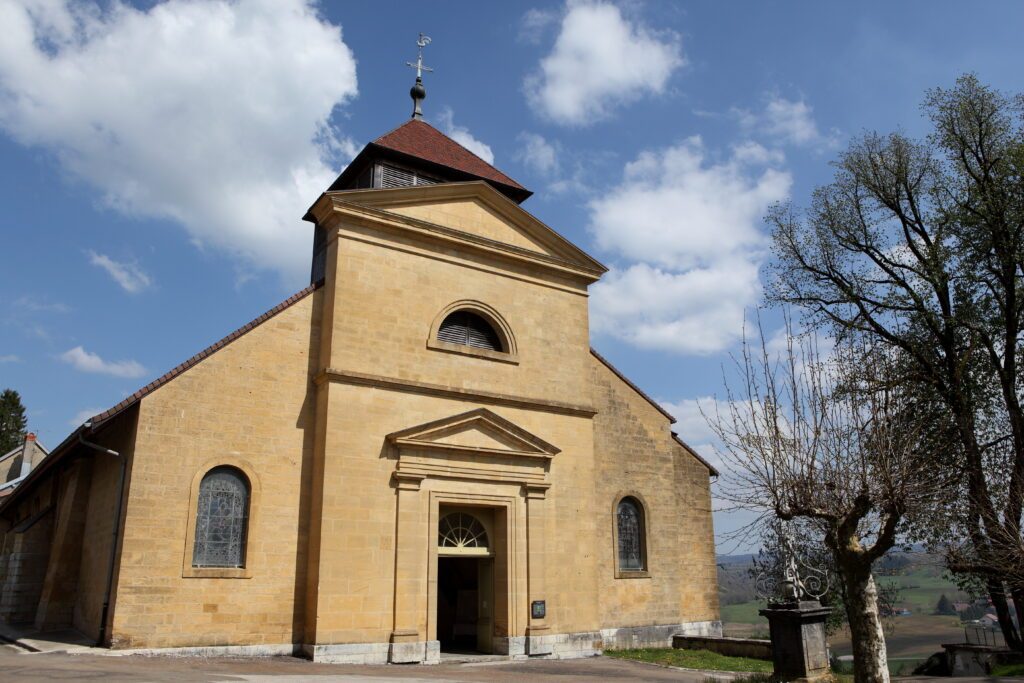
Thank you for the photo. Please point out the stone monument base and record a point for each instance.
(799, 651)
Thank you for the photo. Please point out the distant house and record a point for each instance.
(16, 463)
(989, 620)
(961, 606)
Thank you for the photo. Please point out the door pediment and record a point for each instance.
(478, 444)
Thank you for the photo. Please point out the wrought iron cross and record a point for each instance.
(418, 92)
(421, 43)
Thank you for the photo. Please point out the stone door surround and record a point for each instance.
(436, 468)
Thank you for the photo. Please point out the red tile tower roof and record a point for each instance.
(418, 143)
(419, 139)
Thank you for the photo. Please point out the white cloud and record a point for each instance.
(697, 311)
(82, 360)
(537, 154)
(534, 23)
(693, 428)
(599, 62)
(10, 358)
(677, 209)
(129, 276)
(691, 424)
(562, 170)
(212, 114)
(35, 305)
(83, 415)
(786, 121)
(462, 136)
(690, 227)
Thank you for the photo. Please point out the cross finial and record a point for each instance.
(418, 92)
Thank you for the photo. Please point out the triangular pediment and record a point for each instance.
(477, 209)
(480, 431)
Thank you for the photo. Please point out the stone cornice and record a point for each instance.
(332, 208)
(458, 393)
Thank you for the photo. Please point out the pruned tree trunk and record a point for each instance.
(811, 444)
(997, 592)
(868, 640)
(1018, 604)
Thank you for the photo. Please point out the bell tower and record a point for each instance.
(415, 153)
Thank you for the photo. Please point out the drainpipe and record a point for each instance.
(115, 533)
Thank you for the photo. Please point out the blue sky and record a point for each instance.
(157, 158)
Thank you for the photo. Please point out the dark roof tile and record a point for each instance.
(419, 139)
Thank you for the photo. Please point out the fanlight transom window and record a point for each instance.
(460, 533)
(469, 329)
(221, 519)
(630, 523)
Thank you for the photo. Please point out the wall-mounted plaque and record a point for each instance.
(538, 609)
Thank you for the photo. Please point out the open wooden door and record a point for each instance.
(485, 598)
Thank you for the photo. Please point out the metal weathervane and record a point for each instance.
(418, 92)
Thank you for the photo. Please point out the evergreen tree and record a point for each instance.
(944, 606)
(12, 420)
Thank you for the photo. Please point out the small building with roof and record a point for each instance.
(16, 463)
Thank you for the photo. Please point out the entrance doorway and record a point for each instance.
(465, 585)
(464, 604)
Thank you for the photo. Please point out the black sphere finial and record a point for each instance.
(418, 93)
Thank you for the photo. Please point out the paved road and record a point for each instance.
(17, 665)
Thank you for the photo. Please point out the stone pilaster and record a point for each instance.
(408, 638)
(538, 632)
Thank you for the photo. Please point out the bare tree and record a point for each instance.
(808, 438)
(920, 246)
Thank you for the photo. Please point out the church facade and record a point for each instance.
(419, 452)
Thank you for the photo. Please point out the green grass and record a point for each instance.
(1008, 670)
(693, 659)
(919, 590)
(744, 612)
(770, 678)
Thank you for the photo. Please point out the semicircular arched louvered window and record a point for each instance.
(462, 533)
(469, 329)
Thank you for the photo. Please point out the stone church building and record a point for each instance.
(418, 453)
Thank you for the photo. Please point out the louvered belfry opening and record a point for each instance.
(469, 329)
(396, 176)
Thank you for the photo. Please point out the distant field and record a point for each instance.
(909, 637)
(918, 635)
(744, 613)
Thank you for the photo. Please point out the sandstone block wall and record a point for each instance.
(635, 454)
(250, 405)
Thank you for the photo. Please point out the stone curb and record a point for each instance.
(18, 643)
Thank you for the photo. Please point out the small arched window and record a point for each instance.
(469, 329)
(630, 535)
(463, 534)
(222, 519)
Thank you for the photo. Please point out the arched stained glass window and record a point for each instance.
(630, 535)
(462, 533)
(221, 519)
(469, 329)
